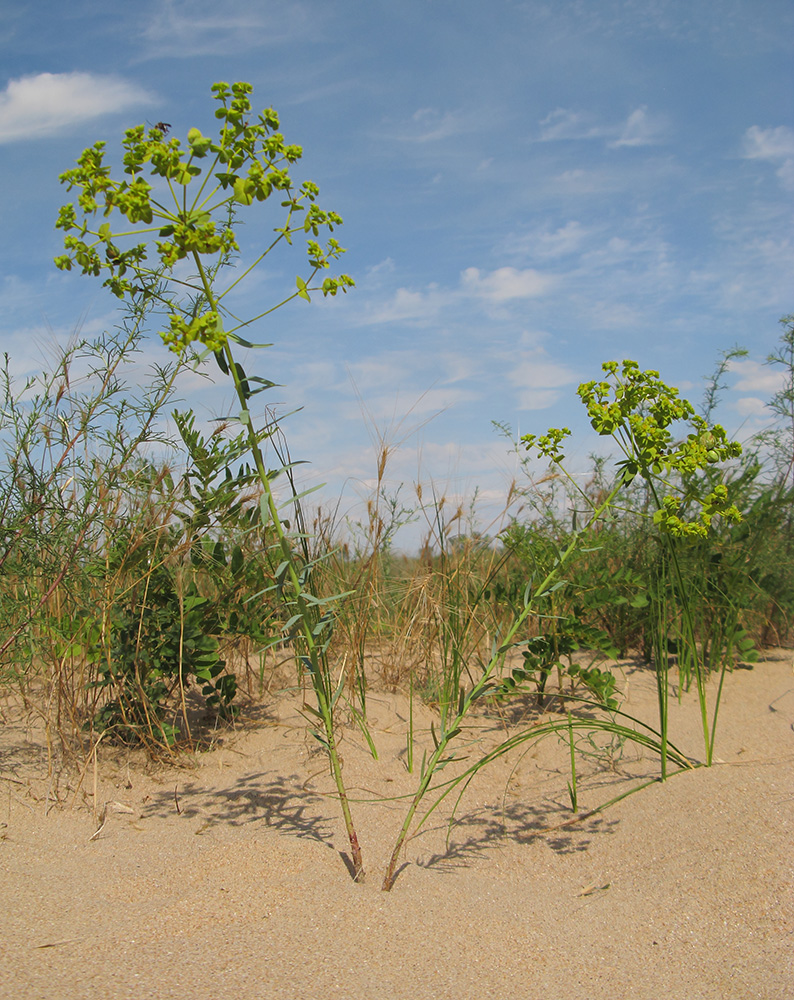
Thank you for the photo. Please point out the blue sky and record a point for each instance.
(528, 189)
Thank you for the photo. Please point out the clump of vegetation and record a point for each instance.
(132, 593)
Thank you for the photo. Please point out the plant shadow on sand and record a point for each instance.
(280, 801)
(483, 830)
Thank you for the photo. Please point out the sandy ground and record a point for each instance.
(226, 876)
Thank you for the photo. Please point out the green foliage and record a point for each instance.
(160, 643)
(641, 413)
(206, 180)
(553, 650)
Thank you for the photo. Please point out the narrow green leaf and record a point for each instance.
(242, 378)
(320, 739)
(296, 497)
(243, 342)
(551, 590)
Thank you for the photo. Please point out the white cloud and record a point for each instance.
(190, 28)
(563, 123)
(614, 316)
(751, 406)
(776, 145)
(584, 182)
(429, 125)
(768, 143)
(432, 125)
(386, 266)
(639, 129)
(410, 306)
(537, 378)
(785, 173)
(392, 407)
(506, 283)
(757, 377)
(411, 371)
(388, 369)
(544, 244)
(32, 107)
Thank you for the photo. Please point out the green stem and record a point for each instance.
(572, 786)
(689, 637)
(662, 671)
(319, 674)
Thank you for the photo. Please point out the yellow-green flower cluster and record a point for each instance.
(207, 329)
(669, 519)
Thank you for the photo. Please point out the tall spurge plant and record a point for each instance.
(639, 411)
(188, 214)
(666, 443)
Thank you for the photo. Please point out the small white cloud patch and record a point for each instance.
(750, 406)
(757, 377)
(33, 107)
(537, 379)
(639, 129)
(776, 145)
(768, 143)
(506, 283)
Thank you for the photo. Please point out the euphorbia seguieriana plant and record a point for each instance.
(163, 244)
(665, 442)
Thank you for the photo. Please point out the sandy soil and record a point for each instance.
(226, 876)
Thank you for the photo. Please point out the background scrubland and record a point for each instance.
(140, 600)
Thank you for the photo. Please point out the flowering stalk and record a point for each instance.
(189, 214)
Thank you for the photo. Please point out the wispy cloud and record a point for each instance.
(768, 143)
(750, 394)
(502, 285)
(190, 28)
(33, 107)
(430, 125)
(639, 129)
(537, 379)
(751, 406)
(543, 243)
(407, 305)
(506, 283)
(757, 377)
(577, 182)
(562, 123)
(776, 145)
(395, 407)
(614, 316)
